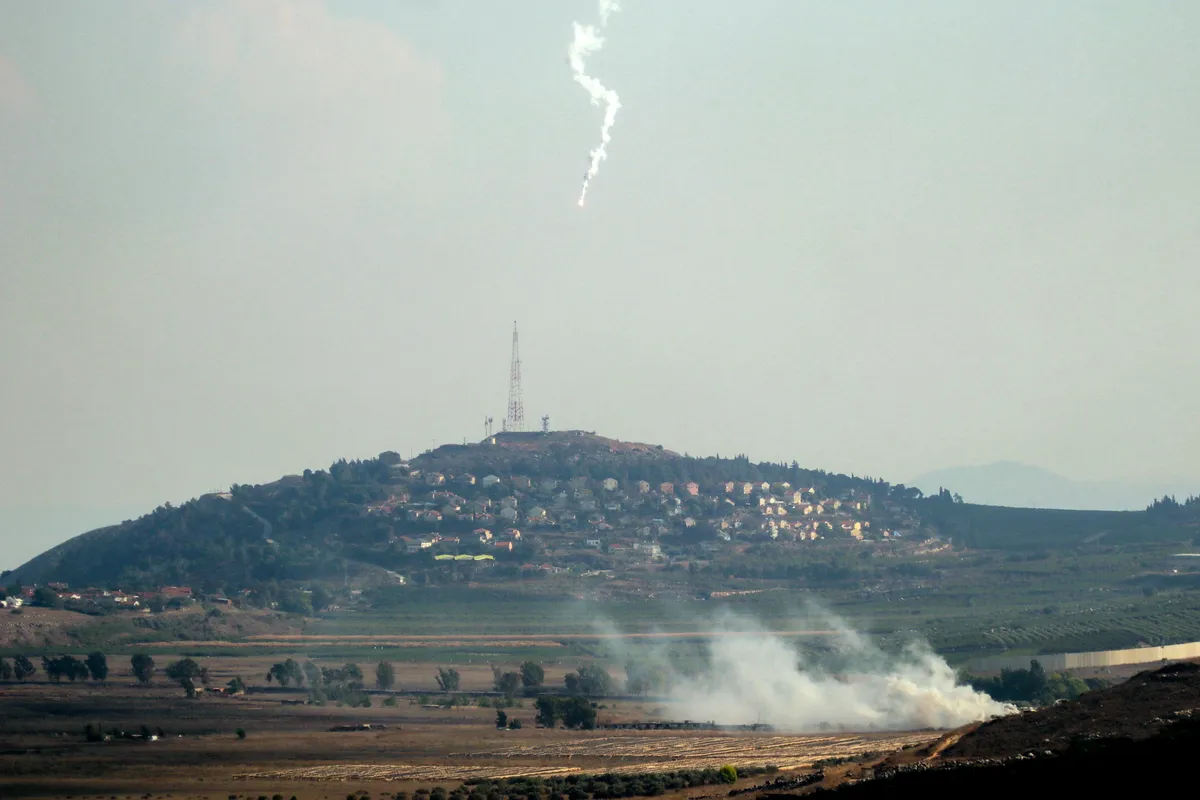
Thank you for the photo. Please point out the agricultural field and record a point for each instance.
(292, 750)
(616, 754)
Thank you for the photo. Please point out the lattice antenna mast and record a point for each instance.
(515, 421)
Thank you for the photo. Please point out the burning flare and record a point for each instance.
(587, 41)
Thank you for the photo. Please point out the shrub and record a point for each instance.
(241, 733)
(514, 724)
(728, 774)
(390, 702)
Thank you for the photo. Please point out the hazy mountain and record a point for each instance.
(1009, 483)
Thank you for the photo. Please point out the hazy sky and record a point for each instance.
(239, 238)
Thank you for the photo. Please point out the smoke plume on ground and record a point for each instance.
(849, 683)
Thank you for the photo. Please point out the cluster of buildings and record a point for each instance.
(113, 598)
(433, 511)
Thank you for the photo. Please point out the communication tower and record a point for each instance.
(546, 424)
(515, 421)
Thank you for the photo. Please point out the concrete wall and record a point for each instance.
(1056, 662)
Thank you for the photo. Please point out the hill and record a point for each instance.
(1008, 483)
(568, 500)
(362, 520)
(1003, 528)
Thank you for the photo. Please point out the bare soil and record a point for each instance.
(290, 750)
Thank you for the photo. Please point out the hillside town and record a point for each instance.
(466, 516)
(569, 503)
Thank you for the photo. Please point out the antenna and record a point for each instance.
(515, 421)
(487, 427)
(546, 424)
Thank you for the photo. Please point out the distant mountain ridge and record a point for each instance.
(1011, 483)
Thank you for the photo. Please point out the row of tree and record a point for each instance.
(94, 666)
(1033, 685)
(344, 683)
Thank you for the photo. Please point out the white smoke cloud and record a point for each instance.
(586, 42)
(762, 678)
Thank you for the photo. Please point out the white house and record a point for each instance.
(609, 484)
(489, 480)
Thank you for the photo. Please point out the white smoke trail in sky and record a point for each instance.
(587, 41)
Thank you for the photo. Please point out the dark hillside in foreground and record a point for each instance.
(1132, 737)
(1104, 768)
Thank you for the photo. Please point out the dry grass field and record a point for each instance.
(290, 750)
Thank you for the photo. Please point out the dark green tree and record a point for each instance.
(286, 673)
(97, 664)
(532, 675)
(6, 670)
(501, 719)
(69, 667)
(547, 711)
(590, 680)
(23, 667)
(46, 597)
(185, 672)
(448, 679)
(385, 675)
(142, 666)
(506, 683)
(320, 598)
(577, 712)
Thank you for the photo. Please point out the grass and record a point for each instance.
(965, 605)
